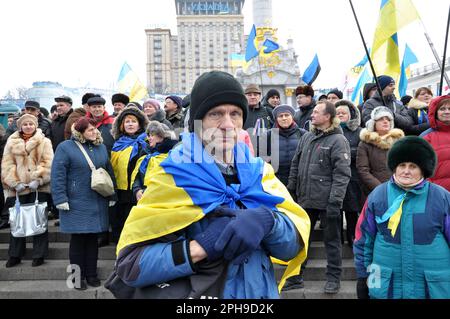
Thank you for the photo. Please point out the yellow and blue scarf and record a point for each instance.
(395, 211)
(188, 185)
(123, 151)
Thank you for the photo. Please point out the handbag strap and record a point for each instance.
(36, 202)
(88, 159)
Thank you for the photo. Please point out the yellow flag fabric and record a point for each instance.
(394, 15)
(166, 208)
(119, 162)
(153, 163)
(394, 221)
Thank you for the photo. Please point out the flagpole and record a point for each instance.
(380, 92)
(433, 49)
(260, 75)
(445, 55)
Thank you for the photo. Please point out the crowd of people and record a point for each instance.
(209, 187)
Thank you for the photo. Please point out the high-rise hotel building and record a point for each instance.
(208, 32)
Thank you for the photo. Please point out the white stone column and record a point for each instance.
(262, 13)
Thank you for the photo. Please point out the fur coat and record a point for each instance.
(25, 162)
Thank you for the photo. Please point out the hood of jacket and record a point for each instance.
(77, 136)
(159, 115)
(417, 104)
(434, 123)
(355, 116)
(367, 88)
(335, 125)
(383, 142)
(131, 110)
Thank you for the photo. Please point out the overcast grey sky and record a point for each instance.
(85, 42)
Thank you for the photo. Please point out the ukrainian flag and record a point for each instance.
(130, 84)
(394, 15)
(188, 185)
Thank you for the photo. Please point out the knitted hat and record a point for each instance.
(336, 92)
(253, 88)
(96, 100)
(160, 129)
(305, 90)
(284, 108)
(26, 117)
(416, 150)
(406, 99)
(384, 81)
(134, 104)
(120, 98)
(154, 103)
(378, 113)
(272, 93)
(86, 97)
(32, 104)
(177, 100)
(213, 89)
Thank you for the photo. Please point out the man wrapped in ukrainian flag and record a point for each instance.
(213, 217)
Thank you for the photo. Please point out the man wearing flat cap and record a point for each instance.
(64, 109)
(96, 110)
(32, 108)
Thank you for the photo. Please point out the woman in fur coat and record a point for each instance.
(376, 140)
(26, 166)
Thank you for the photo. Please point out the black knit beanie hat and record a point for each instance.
(213, 89)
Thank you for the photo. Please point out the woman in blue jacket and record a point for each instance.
(83, 211)
(402, 246)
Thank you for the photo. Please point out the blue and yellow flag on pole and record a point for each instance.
(130, 84)
(251, 51)
(188, 185)
(394, 15)
(408, 58)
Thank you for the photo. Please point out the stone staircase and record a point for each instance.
(49, 280)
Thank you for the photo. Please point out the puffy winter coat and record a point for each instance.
(414, 263)
(26, 162)
(439, 137)
(58, 128)
(320, 169)
(71, 183)
(371, 158)
(352, 131)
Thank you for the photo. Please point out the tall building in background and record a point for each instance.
(208, 33)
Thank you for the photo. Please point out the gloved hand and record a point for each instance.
(63, 206)
(362, 291)
(20, 187)
(209, 236)
(33, 185)
(244, 233)
(112, 203)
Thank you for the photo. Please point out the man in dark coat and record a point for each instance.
(306, 103)
(319, 176)
(33, 108)
(64, 109)
(259, 117)
(402, 119)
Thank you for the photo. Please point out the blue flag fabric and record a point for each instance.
(125, 142)
(251, 51)
(312, 71)
(270, 46)
(408, 58)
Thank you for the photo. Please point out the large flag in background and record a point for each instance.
(312, 71)
(394, 15)
(408, 58)
(130, 84)
(251, 51)
(237, 60)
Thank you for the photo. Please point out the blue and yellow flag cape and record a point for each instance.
(145, 164)
(123, 151)
(188, 185)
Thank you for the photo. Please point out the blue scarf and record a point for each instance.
(126, 141)
(210, 190)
